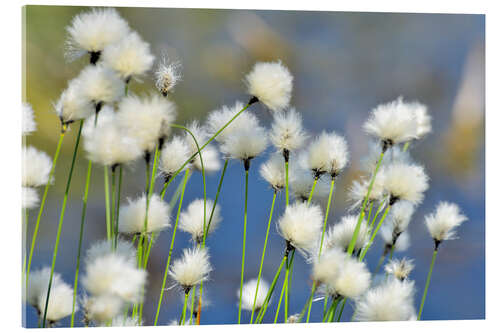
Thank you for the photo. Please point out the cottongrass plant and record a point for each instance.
(119, 127)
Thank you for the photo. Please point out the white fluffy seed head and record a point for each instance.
(30, 197)
(93, 30)
(193, 222)
(369, 161)
(442, 223)
(113, 272)
(122, 321)
(246, 144)
(28, 119)
(402, 241)
(248, 294)
(130, 57)
(394, 122)
(328, 153)
(327, 267)
(400, 216)
(340, 234)
(146, 119)
(287, 132)
(36, 167)
(406, 182)
(108, 144)
(301, 180)
(102, 248)
(38, 284)
(422, 118)
(102, 308)
(167, 75)
(73, 105)
(60, 302)
(390, 301)
(301, 225)
(173, 155)
(209, 154)
(271, 83)
(192, 268)
(353, 279)
(220, 117)
(400, 269)
(100, 84)
(359, 190)
(273, 171)
(133, 215)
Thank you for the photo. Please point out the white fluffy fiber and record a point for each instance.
(394, 122)
(328, 153)
(130, 57)
(30, 197)
(174, 154)
(192, 219)
(192, 268)
(406, 181)
(28, 119)
(103, 308)
(442, 223)
(399, 268)
(38, 284)
(423, 119)
(390, 301)
(209, 154)
(353, 279)
(301, 225)
(327, 267)
(273, 171)
(93, 30)
(248, 294)
(287, 132)
(167, 75)
(245, 144)
(100, 84)
(133, 214)
(340, 234)
(271, 83)
(387, 234)
(359, 190)
(60, 302)
(220, 117)
(73, 105)
(36, 167)
(400, 215)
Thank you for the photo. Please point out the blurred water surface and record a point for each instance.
(344, 64)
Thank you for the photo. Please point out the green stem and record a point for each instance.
(363, 254)
(186, 176)
(263, 255)
(327, 212)
(286, 183)
(392, 252)
(42, 205)
(308, 304)
(244, 244)
(341, 309)
(183, 318)
(370, 211)
(61, 219)
(350, 249)
(113, 202)
(285, 282)
(80, 239)
(215, 200)
(427, 282)
(312, 190)
(106, 195)
(288, 284)
(379, 209)
(117, 210)
(379, 264)
(263, 309)
(193, 294)
(406, 146)
(334, 309)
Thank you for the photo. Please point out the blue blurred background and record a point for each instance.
(344, 64)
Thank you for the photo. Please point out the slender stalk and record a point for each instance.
(113, 202)
(244, 242)
(288, 283)
(263, 309)
(117, 210)
(184, 308)
(365, 250)
(286, 183)
(61, 219)
(307, 306)
(350, 249)
(379, 264)
(106, 195)
(379, 209)
(327, 212)
(406, 146)
(392, 252)
(80, 239)
(427, 282)
(370, 211)
(193, 294)
(341, 309)
(263, 255)
(42, 204)
(334, 309)
(186, 176)
(215, 200)
(312, 190)
(285, 282)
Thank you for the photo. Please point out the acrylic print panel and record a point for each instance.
(198, 166)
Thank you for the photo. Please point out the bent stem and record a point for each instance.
(263, 255)
(363, 254)
(80, 239)
(186, 176)
(215, 200)
(61, 219)
(42, 204)
(285, 282)
(427, 282)
(263, 309)
(244, 241)
(350, 249)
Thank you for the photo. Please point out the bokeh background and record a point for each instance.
(344, 64)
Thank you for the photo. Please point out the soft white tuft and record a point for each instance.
(193, 222)
(60, 302)
(192, 268)
(73, 105)
(220, 117)
(287, 132)
(167, 75)
(38, 284)
(133, 215)
(271, 83)
(328, 154)
(406, 182)
(402, 241)
(36, 167)
(423, 119)
(28, 119)
(442, 223)
(400, 269)
(327, 267)
(273, 171)
(340, 234)
(100, 84)
(353, 279)
(359, 189)
(400, 216)
(173, 155)
(248, 294)
(246, 144)
(209, 154)
(30, 197)
(102, 308)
